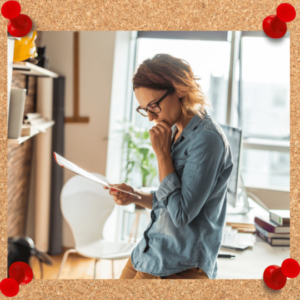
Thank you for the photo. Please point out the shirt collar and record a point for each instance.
(188, 128)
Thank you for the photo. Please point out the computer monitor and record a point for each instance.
(234, 137)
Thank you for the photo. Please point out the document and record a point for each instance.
(232, 239)
(72, 167)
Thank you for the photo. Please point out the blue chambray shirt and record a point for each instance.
(189, 207)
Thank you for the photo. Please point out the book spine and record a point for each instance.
(264, 225)
(286, 221)
(266, 239)
(272, 235)
(263, 231)
(32, 116)
(276, 219)
(35, 121)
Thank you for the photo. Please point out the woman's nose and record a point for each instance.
(151, 116)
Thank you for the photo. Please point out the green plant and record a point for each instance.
(139, 153)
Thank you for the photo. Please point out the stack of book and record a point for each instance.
(276, 229)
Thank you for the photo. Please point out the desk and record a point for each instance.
(250, 263)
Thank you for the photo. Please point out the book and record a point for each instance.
(270, 234)
(274, 241)
(31, 116)
(35, 121)
(242, 227)
(271, 226)
(280, 216)
(16, 113)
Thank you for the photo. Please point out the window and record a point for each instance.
(258, 96)
(265, 110)
(265, 88)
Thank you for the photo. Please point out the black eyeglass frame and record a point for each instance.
(170, 91)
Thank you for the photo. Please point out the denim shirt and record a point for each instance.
(189, 207)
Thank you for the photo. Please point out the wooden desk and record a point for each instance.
(250, 263)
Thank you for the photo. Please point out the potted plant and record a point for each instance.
(139, 154)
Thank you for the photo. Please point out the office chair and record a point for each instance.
(86, 206)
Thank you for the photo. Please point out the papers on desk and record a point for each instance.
(234, 240)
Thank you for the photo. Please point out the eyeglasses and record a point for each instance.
(153, 107)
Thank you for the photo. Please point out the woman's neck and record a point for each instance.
(182, 123)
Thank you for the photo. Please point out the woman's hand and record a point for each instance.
(160, 136)
(119, 197)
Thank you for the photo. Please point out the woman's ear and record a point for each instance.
(179, 94)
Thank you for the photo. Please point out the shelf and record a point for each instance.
(29, 69)
(44, 125)
(41, 127)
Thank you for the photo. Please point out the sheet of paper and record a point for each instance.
(234, 238)
(72, 167)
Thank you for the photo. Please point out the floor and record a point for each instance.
(77, 267)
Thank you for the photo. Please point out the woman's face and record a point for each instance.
(170, 105)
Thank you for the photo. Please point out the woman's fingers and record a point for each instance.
(112, 191)
(165, 125)
(121, 200)
(109, 188)
(155, 129)
(122, 196)
(160, 128)
(116, 193)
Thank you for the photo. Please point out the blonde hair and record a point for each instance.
(164, 71)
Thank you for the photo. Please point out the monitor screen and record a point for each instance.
(234, 137)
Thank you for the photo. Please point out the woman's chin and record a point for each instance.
(168, 122)
(156, 122)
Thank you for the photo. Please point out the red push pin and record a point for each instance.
(275, 25)
(275, 277)
(9, 287)
(21, 272)
(18, 25)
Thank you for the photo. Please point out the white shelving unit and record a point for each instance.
(27, 68)
(40, 127)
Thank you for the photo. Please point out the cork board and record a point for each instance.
(172, 15)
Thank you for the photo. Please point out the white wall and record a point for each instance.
(85, 143)
(123, 68)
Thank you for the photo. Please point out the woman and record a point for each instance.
(194, 161)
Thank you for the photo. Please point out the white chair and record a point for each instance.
(86, 205)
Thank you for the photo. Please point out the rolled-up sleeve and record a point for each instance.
(185, 198)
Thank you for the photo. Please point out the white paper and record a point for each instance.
(240, 239)
(72, 167)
